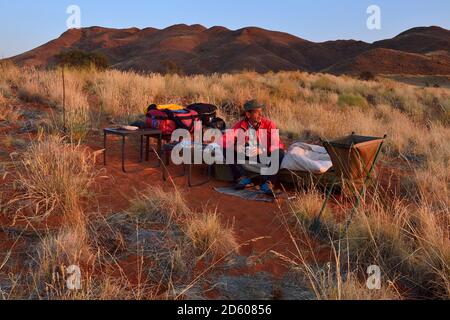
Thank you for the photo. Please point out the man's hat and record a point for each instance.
(253, 105)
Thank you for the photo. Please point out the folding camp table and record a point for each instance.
(167, 148)
(147, 133)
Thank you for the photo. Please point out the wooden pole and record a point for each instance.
(64, 101)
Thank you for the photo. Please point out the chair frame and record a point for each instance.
(358, 193)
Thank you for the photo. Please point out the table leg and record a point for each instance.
(190, 175)
(168, 153)
(160, 138)
(142, 150)
(123, 154)
(104, 147)
(159, 147)
(147, 149)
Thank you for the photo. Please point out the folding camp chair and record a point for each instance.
(354, 159)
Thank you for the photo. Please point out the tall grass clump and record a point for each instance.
(54, 255)
(306, 208)
(159, 206)
(343, 276)
(54, 177)
(411, 244)
(209, 235)
(337, 280)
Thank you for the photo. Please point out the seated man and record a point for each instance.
(257, 128)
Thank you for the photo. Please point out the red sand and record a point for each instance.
(257, 225)
(250, 219)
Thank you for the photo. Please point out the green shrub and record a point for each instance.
(81, 60)
(325, 83)
(352, 101)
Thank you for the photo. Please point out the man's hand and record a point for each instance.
(253, 152)
(240, 149)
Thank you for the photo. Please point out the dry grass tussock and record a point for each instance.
(208, 234)
(410, 243)
(205, 230)
(54, 177)
(344, 276)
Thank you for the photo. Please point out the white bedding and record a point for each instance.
(308, 158)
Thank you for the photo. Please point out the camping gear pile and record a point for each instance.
(169, 118)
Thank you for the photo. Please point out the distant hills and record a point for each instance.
(198, 50)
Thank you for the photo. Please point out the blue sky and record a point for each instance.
(25, 24)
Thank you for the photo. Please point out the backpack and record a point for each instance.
(140, 124)
(173, 107)
(169, 119)
(206, 112)
(218, 123)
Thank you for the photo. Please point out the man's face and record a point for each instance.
(255, 116)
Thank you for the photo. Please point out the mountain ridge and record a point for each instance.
(196, 49)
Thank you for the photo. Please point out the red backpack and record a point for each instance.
(168, 120)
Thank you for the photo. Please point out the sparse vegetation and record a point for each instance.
(405, 233)
(408, 241)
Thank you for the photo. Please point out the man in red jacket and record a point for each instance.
(254, 138)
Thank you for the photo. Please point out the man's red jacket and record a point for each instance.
(270, 143)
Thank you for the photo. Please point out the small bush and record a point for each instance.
(82, 60)
(352, 101)
(324, 83)
(367, 76)
(156, 206)
(210, 236)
